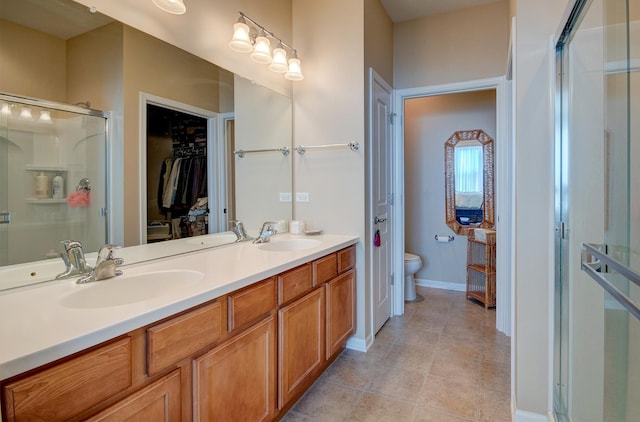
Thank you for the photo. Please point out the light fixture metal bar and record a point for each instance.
(269, 33)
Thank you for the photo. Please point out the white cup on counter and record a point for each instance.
(296, 227)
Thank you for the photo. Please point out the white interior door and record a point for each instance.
(381, 172)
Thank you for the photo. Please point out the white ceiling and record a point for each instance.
(404, 10)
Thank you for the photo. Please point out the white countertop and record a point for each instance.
(37, 328)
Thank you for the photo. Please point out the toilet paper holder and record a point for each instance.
(441, 238)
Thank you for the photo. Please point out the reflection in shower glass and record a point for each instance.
(45, 153)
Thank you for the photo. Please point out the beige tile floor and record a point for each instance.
(442, 361)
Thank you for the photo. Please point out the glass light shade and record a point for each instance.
(261, 52)
(279, 62)
(5, 109)
(25, 113)
(295, 71)
(241, 41)
(45, 117)
(176, 7)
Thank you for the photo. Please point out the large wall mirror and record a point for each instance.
(469, 164)
(62, 52)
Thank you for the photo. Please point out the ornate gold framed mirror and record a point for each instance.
(469, 191)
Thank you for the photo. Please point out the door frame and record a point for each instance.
(502, 165)
(213, 157)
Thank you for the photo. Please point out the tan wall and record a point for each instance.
(452, 47)
(329, 108)
(206, 28)
(537, 21)
(37, 71)
(182, 77)
(95, 68)
(378, 40)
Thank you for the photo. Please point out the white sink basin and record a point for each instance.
(289, 244)
(127, 289)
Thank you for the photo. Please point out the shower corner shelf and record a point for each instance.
(45, 201)
(45, 167)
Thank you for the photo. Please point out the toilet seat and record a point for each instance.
(411, 257)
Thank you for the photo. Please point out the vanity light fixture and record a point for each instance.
(25, 113)
(279, 61)
(176, 7)
(45, 117)
(5, 110)
(251, 37)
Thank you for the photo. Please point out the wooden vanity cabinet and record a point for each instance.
(313, 329)
(341, 311)
(159, 401)
(237, 381)
(301, 344)
(245, 356)
(66, 390)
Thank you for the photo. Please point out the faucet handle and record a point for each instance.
(71, 244)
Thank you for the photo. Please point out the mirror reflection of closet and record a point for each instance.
(182, 199)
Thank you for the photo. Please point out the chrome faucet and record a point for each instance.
(238, 229)
(266, 232)
(105, 266)
(73, 257)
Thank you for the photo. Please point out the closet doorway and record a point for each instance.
(181, 172)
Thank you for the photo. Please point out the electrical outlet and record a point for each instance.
(302, 196)
(285, 196)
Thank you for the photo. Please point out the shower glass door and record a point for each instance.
(53, 179)
(597, 335)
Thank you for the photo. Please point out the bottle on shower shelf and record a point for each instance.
(57, 187)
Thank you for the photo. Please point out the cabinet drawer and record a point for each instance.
(64, 391)
(160, 401)
(294, 283)
(324, 269)
(251, 303)
(173, 340)
(346, 259)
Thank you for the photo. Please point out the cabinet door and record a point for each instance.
(301, 344)
(341, 311)
(160, 401)
(65, 390)
(237, 380)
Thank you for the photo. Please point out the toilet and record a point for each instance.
(412, 263)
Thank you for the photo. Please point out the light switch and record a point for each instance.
(302, 196)
(285, 196)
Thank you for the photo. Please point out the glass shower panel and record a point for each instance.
(598, 202)
(54, 180)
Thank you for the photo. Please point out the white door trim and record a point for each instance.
(503, 254)
(374, 77)
(212, 154)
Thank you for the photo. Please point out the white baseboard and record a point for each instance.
(445, 285)
(524, 416)
(357, 344)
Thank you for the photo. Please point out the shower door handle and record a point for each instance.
(5, 217)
